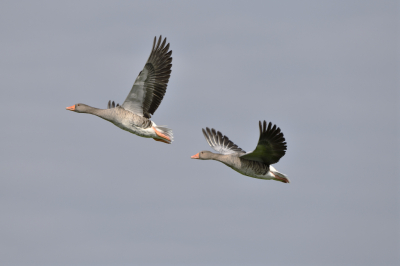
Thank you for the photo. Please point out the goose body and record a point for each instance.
(270, 148)
(143, 100)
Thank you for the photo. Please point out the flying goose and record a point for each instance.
(270, 148)
(143, 100)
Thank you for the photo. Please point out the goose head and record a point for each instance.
(204, 155)
(79, 108)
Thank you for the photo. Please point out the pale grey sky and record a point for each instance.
(76, 190)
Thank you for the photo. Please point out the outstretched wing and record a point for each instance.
(221, 143)
(271, 145)
(149, 88)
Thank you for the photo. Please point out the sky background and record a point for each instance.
(76, 190)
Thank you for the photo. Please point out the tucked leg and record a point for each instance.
(162, 141)
(161, 135)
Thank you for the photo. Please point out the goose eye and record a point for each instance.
(78, 104)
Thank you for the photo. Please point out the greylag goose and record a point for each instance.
(143, 100)
(270, 148)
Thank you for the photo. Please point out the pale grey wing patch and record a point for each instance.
(220, 143)
(134, 100)
(271, 145)
(150, 86)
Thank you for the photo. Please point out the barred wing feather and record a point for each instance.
(221, 143)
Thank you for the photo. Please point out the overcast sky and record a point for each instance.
(76, 190)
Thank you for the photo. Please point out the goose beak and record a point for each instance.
(196, 156)
(71, 108)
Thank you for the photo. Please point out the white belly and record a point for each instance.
(251, 173)
(143, 132)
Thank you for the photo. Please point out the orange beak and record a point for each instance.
(196, 156)
(71, 108)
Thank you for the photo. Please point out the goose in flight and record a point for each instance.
(143, 100)
(270, 148)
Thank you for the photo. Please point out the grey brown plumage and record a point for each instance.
(270, 148)
(145, 96)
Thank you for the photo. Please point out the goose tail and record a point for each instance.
(279, 176)
(166, 131)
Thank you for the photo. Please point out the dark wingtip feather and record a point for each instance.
(160, 59)
(220, 137)
(204, 132)
(154, 42)
(163, 43)
(166, 47)
(269, 126)
(158, 43)
(273, 139)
